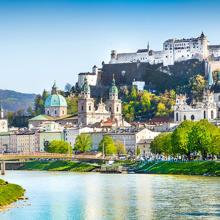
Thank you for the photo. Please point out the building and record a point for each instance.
(3, 121)
(70, 134)
(139, 85)
(55, 111)
(55, 104)
(88, 114)
(174, 50)
(26, 142)
(92, 77)
(208, 108)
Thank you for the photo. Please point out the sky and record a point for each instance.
(42, 41)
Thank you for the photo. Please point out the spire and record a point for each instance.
(113, 79)
(148, 46)
(1, 112)
(54, 88)
(210, 78)
(86, 87)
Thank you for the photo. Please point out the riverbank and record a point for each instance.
(9, 193)
(208, 168)
(59, 165)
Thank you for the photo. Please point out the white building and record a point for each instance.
(174, 50)
(207, 109)
(139, 84)
(92, 77)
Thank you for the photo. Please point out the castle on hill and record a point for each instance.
(174, 50)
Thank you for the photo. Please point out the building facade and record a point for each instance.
(88, 114)
(174, 50)
(55, 104)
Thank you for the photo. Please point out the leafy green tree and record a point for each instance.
(58, 146)
(162, 144)
(200, 137)
(83, 143)
(133, 93)
(161, 109)
(181, 143)
(108, 144)
(120, 147)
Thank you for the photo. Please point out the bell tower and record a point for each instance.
(114, 104)
(85, 105)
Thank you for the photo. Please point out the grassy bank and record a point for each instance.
(210, 168)
(9, 193)
(59, 165)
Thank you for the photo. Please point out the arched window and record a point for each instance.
(48, 112)
(117, 109)
(212, 114)
(192, 117)
(110, 108)
(55, 112)
(89, 108)
(177, 119)
(82, 107)
(184, 118)
(219, 98)
(204, 115)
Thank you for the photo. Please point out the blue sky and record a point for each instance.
(44, 40)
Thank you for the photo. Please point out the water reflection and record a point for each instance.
(97, 196)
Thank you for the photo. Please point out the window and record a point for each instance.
(177, 119)
(55, 112)
(117, 109)
(48, 112)
(89, 108)
(192, 117)
(219, 98)
(184, 118)
(82, 107)
(204, 114)
(212, 114)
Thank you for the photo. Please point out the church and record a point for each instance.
(208, 108)
(89, 115)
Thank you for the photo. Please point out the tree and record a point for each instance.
(200, 137)
(162, 144)
(108, 144)
(161, 109)
(180, 139)
(83, 143)
(58, 146)
(197, 86)
(72, 103)
(120, 147)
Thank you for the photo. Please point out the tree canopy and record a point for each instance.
(83, 143)
(58, 146)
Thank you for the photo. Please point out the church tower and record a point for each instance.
(114, 104)
(3, 121)
(85, 105)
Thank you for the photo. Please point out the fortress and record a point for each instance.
(174, 50)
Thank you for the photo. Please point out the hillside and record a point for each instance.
(13, 101)
(155, 76)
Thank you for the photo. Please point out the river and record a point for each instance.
(65, 195)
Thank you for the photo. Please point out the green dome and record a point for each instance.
(55, 100)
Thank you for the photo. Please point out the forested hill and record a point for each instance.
(14, 101)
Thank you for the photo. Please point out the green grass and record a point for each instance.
(9, 193)
(59, 165)
(211, 168)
